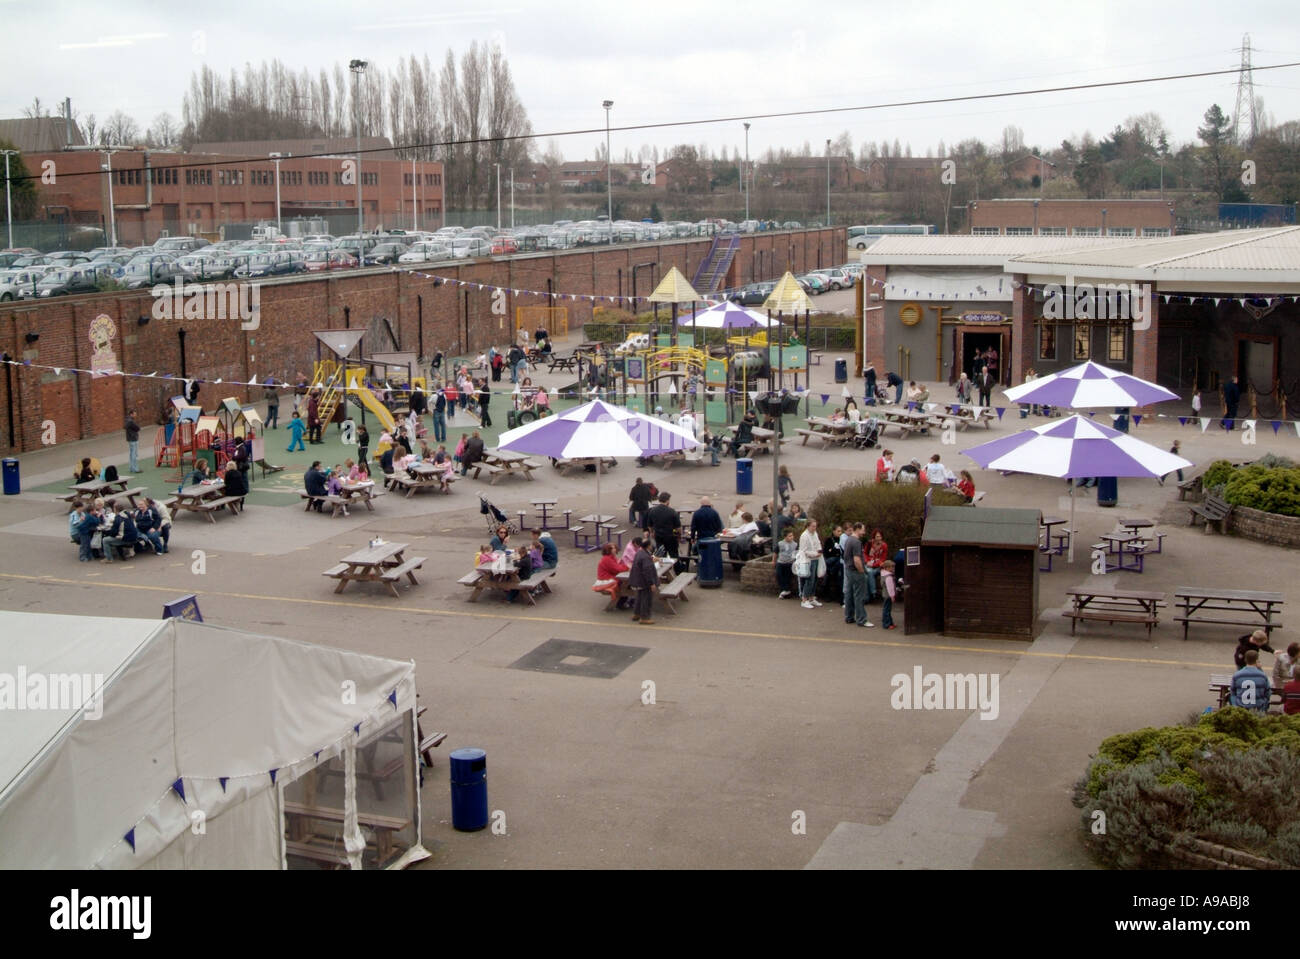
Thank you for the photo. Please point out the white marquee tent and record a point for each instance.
(201, 747)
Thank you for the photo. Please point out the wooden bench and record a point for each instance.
(1189, 487)
(336, 503)
(1114, 606)
(382, 827)
(1213, 510)
(561, 361)
(336, 572)
(332, 854)
(207, 506)
(489, 468)
(826, 438)
(401, 481)
(1255, 608)
(676, 590)
(395, 573)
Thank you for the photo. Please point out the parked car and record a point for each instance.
(424, 251)
(62, 281)
(31, 259)
(470, 247)
(266, 264)
(180, 244)
(13, 282)
(203, 266)
(854, 270)
(814, 283)
(149, 270)
(504, 246)
(836, 278)
(752, 294)
(318, 261)
(384, 254)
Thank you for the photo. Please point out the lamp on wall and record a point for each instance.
(32, 337)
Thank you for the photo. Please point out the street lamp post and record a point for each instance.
(358, 67)
(828, 182)
(112, 216)
(744, 181)
(9, 202)
(512, 199)
(609, 179)
(277, 157)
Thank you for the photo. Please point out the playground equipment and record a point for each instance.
(340, 378)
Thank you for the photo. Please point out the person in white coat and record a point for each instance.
(806, 565)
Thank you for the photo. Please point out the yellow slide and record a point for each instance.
(371, 402)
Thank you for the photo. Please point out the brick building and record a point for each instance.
(1042, 217)
(190, 193)
(810, 173)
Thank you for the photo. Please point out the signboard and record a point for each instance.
(985, 316)
(636, 369)
(103, 331)
(187, 607)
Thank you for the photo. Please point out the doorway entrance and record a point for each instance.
(979, 347)
(1257, 363)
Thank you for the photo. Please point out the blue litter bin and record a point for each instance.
(1107, 490)
(469, 798)
(710, 567)
(744, 476)
(841, 370)
(12, 485)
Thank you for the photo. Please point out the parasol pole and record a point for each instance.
(1070, 558)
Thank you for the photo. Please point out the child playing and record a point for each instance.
(784, 485)
(888, 592)
(296, 428)
(784, 560)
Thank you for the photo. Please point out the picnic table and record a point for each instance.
(1221, 683)
(1136, 524)
(589, 540)
(762, 442)
(483, 579)
(382, 562)
(500, 463)
(544, 507)
(567, 362)
(83, 494)
(908, 421)
(965, 416)
(426, 476)
(203, 498)
(1121, 545)
(837, 432)
(1254, 609)
(1047, 534)
(671, 587)
(1110, 605)
(568, 466)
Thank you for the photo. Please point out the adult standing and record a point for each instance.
(643, 580)
(272, 394)
(984, 383)
(991, 361)
(806, 566)
(705, 521)
(439, 416)
(870, 375)
(1231, 399)
(666, 525)
(855, 572)
(133, 441)
(896, 381)
(484, 398)
(299, 391)
(639, 501)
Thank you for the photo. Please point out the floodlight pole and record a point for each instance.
(276, 158)
(358, 67)
(744, 181)
(609, 177)
(9, 202)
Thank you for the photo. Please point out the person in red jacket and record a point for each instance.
(966, 485)
(607, 580)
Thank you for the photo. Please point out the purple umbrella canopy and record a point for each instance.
(725, 315)
(1075, 448)
(1089, 385)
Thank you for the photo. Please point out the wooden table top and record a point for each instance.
(1110, 592)
(1250, 595)
(100, 486)
(202, 490)
(1051, 521)
(374, 555)
(543, 502)
(1136, 523)
(598, 519)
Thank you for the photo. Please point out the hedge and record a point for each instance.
(893, 508)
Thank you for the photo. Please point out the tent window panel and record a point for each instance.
(387, 791)
(1118, 349)
(1082, 341)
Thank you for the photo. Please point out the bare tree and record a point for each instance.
(36, 110)
(164, 132)
(120, 130)
(90, 127)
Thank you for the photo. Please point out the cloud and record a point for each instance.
(122, 40)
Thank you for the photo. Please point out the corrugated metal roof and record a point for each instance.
(40, 134)
(1270, 249)
(964, 248)
(981, 527)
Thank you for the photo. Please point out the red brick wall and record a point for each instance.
(457, 320)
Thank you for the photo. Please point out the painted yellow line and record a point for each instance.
(1007, 650)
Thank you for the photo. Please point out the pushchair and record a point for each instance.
(868, 434)
(494, 517)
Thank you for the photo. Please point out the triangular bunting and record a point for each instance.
(273, 772)
(1276, 424)
(179, 788)
(826, 397)
(1182, 421)
(1205, 423)
(223, 780)
(130, 838)
(999, 410)
(1137, 419)
(392, 698)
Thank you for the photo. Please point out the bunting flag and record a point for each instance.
(223, 780)
(392, 698)
(1205, 423)
(1182, 421)
(273, 772)
(999, 410)
(1248, 424)
(1137, 419)
(130, 838)
(844, 392)
(825, 398)
(1276, 424)
(179, 788)
(1227, 425)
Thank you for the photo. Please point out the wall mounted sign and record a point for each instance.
(102, 333)
(986, 316)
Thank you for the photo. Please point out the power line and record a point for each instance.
(825, 111)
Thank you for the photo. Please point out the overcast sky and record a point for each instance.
(672, 61)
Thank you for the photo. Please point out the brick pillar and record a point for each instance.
(873, 334)
(1146, 362)
(1023, 345)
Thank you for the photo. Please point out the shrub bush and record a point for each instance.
(1270, 490)
(893, 508)
(1232, 777)
(1220, 472)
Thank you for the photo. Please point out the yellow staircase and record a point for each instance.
(329, 376)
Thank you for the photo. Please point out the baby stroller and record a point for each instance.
(494, 517)
(868, 434)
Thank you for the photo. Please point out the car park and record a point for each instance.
(32, 259)
(470, 247)
(180, 244)
(836, 278)
(814, 283)
(148, 270)
(262, 265)
(425, 251)
(504, 246)
(385, 254)
(62, 281)
(202, 266)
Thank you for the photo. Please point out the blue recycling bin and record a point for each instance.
(469, 798)
(841, 370)
(12, 485)
(744, 476)
(1107, 490)
(709, 575)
